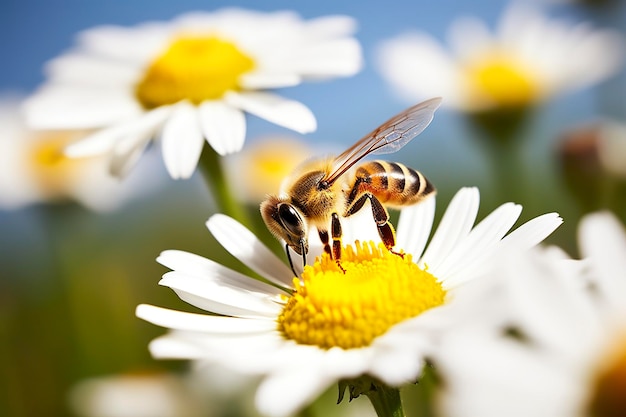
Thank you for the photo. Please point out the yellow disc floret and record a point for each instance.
(500, 80)
(52, 171)
(330, 308)
(195, 68)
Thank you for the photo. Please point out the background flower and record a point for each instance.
(189, 80)
(135, 395)
(33, 168)
(260, 168)
(529, 58)
(570, 322)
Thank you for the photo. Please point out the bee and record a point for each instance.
(321, 192)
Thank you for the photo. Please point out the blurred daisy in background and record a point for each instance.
(375, 317)
(135, 395)
(527, 59)
(188, 80)
(260, 168)
(33, 168)
(569, 358)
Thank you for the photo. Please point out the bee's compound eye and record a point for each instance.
(290, 219)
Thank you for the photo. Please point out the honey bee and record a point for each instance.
(321, 192)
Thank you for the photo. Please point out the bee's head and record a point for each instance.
(286, 222)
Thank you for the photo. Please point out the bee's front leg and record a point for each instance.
(324, 238)
(335, 229)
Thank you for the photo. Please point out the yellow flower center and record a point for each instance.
(501, 81)
(269, 162)
(52, 171)
(349, 310)
(195, 68)
(608, 397)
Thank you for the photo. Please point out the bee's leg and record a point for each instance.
(335, 229)
(324, 238)
(381, 217)
(335, 251)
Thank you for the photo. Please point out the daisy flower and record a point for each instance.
(571, 359)
(305, 333)
(527, 59)
(135, 395)
(33, 168)
(188, 80)
(260, 168)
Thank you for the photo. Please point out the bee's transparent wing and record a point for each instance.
(388, 138)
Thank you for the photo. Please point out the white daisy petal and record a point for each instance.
(218, 298)
(243, 245)
(127, 152)
(223, 126)
(231, 349)
(455, 225)
(180, 320)
(414, 227)
(98, 143)
(325, 60)
(603, 241)
(84, 69)
(269, 79)
(172, 346)
(534, 231)
(533, 297)
(273, 108)
(135, 45)
(200, 267)
(79, 107)
(440, 78)
(283, 394)
(481, 243)
(468, 36)
(404, 366)
(341, 363)
(182, 141)
(104, 141)
(331, 26)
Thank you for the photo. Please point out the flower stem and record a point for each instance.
(500, 133)
(386, 401)
(215, 178)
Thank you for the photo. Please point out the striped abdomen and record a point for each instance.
(392, 183)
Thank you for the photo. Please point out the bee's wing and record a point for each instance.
(388, 138)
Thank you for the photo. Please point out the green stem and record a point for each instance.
(386, 401)
(508, 171)
(500, 133)
(213, 173)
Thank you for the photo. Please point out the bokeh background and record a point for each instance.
(71, 278)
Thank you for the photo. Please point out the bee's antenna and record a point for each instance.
(290, 261)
